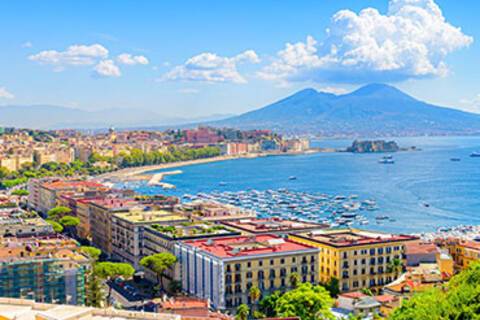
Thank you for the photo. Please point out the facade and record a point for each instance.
(215, 211)
(358, 259)
(100, 212)
(127, 231)
(44, 269)
(464, 252)
(224, 269)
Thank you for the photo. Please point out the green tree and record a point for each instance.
(242, 312)
(267, 305)
(255, 295)
(333, 286)
(3, 172)
(159, 263)
(58, 212)
(94, 294)
(20, 192)
(294, 279)
(69, 221)
(57, 227)
(307, 301)
(110, 271)
(92, 252)
(175, 287)
(395, 266)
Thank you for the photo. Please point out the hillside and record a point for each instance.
(372, 110)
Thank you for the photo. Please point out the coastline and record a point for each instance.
(141, 173)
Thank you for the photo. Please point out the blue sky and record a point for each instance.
(197, 58)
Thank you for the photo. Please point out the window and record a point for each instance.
(249, 275)
(271, 262)
(372, 252)
(237, 267)
(249, 264)
(282, 261)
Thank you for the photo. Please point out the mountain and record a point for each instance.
(58, 117)
(372, 110)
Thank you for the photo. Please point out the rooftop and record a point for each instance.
(72, 184)
(242, 246)
(254, 225)
(150, 216)
(353, 237)
(420, 247)
(187, 230)
(113, 203)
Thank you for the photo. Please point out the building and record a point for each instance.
(214, 211)
(100, 212)
(15, 222)
(224, 269)
(16, 309)
(235, 148)
(161, 238)
(357, 258)
(128, 231)
(44, 193)
(272, 226)
(464, 252)
(46, 269)
(418, 252)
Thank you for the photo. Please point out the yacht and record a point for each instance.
(386, 160)
(475, 154)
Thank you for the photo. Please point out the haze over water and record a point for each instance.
(451, 189)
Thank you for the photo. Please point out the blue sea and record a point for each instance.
(422, 191)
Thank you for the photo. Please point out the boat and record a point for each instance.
(455, 159)
(386, 160)
(292, 178)
(222, 184)
(475, 154)
(382, 217)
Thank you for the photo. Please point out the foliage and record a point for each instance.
(20, 192)
(111, 270)
(332, 286)
(94, 294)
(242, 312)
(460, 299)
(57, 227)
(58, 212)
(69, 221)
(294, 279)
(175, 286)
(267, 304)
(307, 301)
(158, 263)
(92, 252)
(3, 172)
(395, 266)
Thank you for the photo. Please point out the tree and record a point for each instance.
(92, 252)
(159, 263)
(267, 305)
(69, 221)
(3, 172)
(395, 266)
(111, 271)
(58, 212)
(57, 227)
(307, 301)
(175, 286)
(333, 286)
(254, 294)
(20, 192)
(242, 312)
(294, 279)
(94, 294)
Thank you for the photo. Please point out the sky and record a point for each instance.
(201, 58)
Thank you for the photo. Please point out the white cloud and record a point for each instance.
(5, 94)
(75, 55)
(411, 41)
(107, 68)
(128, 59)
(27, 44)
(211, 67)
(471, 105)
(334, 90)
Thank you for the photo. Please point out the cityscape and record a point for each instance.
(326, 179)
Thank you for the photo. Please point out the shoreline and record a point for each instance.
(141, 173)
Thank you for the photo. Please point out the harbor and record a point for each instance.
(332, 210)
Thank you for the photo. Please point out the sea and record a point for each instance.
(421, 192)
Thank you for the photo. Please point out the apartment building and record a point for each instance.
(15, 222)
(224, 269)
(357, 258)
(215, 211)
(45, 269)
(272, 226)
(127, 231)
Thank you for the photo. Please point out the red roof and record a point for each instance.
(114, 203)
(418, 247)
(239, 246)
(385, 298)
(353, 295)
(72, 184)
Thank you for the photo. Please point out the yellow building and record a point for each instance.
(464, 252)
(357, 258)
(224, 269)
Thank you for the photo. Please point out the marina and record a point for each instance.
(333, 210)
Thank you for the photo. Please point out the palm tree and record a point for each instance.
(395, 266)
(242, 312)
(294, 279)
(255, 294)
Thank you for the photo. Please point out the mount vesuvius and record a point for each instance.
(375, 109)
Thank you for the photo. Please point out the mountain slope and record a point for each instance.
(375, 109)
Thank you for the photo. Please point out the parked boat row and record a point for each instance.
(334, 210)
